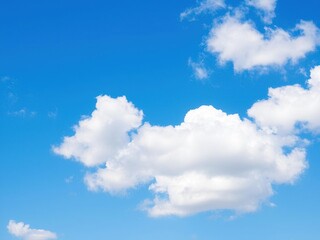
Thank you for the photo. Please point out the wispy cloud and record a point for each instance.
(199, 71)
(267, 7)
(24, 112)
(12, 100)
(8, 86)
(206, 6)
(69, 180)
(53, 114)
(5, 79)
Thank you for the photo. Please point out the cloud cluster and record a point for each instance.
(275, 47)
(23, 231)
(212, 160)
(234, 38)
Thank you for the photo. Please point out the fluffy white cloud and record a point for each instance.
(24, 231)
(266, 6)
(291, 108)
(99, 137)
(242, 44)
(203, 7)
(210, 161)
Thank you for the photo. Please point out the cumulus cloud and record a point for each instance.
(205, 6)
(267, 7)
(102, 135)
(199, 71)
(239, 42)
(294, 108)
(211, 161)
(23, 231)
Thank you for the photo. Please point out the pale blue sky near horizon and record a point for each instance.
(58, 56)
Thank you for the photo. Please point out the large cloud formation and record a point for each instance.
(23, 231)
(242, 44)
(212, 160)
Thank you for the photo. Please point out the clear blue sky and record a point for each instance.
(58, 56)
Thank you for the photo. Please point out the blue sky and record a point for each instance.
(178, 171)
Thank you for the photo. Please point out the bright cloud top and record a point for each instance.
(210, 161)
(242, 44)
(267, 7)
(293, 108)
(109, 123)
(23, 231)
(203, 7)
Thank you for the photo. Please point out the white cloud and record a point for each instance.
(199, 71)
(266, 6)
(101, 136)
(291, 108)
(242, 44)
(210, 161)
(205, 6)
(23, 231)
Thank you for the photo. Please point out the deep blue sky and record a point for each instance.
(57, 56)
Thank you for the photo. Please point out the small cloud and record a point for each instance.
(199, 71)
(266, 7)
(23, 231)
(23, 113)
(303, 71)
(53, 114)
(206, 6)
